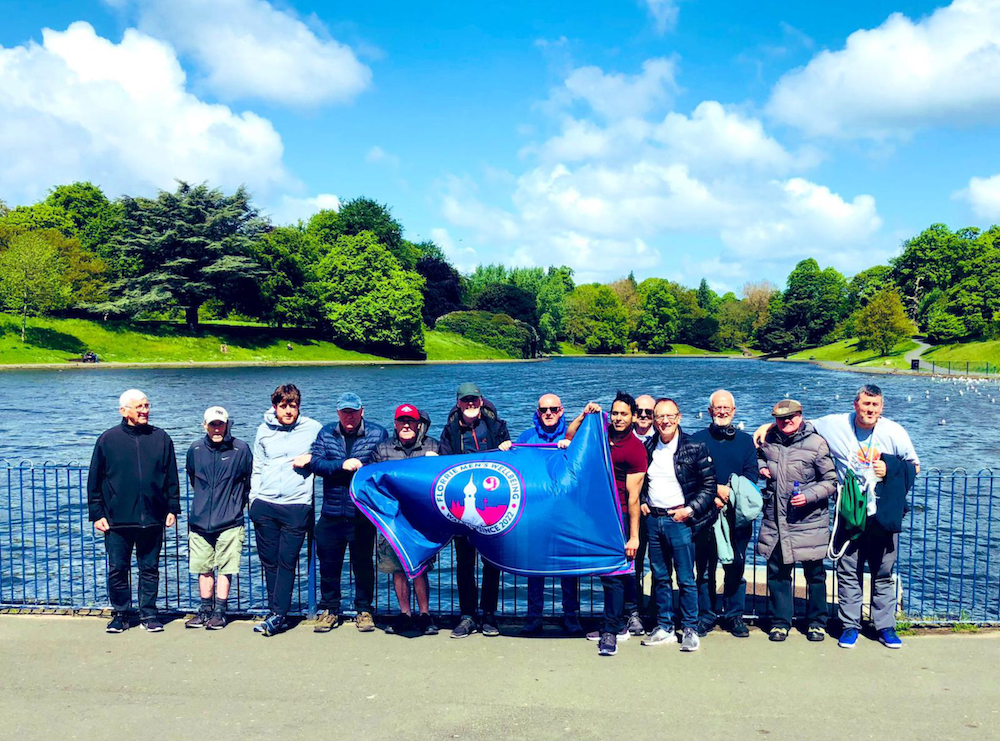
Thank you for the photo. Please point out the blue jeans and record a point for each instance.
(672, 547)
(536, 595)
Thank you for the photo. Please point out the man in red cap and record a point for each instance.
(409, 441)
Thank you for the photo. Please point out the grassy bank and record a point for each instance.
(976, 354)
(568, 348)
(847, 352)
(61, 340)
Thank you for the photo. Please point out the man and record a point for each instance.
(474, 427)
(549, 426)
(281, 495)
(340, 449)
(678, 500)
(628, 462)
(218, 469)
(733, 452)
(132, 492)
(858, 440)
(801, 476)
(409, 441)
(635, 598)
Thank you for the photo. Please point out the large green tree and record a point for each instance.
(551, 306)
(185, 248)
(288, 290)
(370, 300)
(31, 280)
(442, 287)
(658, 320)
(596, 319)
(365, 215)
(882, 323)
(506, 298)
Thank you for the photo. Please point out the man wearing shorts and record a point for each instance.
(218, 468)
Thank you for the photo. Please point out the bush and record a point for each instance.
(517, 339)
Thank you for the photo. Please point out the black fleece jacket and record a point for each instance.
(133, 477)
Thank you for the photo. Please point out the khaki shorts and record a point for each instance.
(221, 551)
(386, 560)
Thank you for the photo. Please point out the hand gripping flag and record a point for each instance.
(532, 510)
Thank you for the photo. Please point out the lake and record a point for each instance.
(56, 415)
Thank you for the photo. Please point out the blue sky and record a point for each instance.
(666, 137)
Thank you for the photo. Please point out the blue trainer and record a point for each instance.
(888, 638)
(849, 638)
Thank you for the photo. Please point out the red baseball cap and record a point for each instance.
(407, 410)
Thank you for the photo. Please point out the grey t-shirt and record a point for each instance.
(857, 448)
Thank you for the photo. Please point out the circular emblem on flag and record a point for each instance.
(485, 496)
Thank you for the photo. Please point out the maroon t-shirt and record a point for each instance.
(628, 455)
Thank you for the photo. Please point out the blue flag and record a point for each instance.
(532, 510)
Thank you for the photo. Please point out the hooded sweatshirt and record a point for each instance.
(273, 478)
(538, 434)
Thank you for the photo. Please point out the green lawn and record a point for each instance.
(568, 348)
(976, 354)
(59, 340)
(846, 351)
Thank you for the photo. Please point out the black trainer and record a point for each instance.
(532, 627)
(426, 624)
(739, 629)
(200, 620)
(217, 621)
(488, 625)
(118, 624)
(608, 644)
(152, 625)
(465, 628)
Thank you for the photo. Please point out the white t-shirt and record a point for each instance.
(854, 447)
(664, 488)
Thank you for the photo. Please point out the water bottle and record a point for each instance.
(796, 488)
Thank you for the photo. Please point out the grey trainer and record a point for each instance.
(690, 641)
(660, 637)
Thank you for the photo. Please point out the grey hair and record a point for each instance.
(869, 389)
(128, 396)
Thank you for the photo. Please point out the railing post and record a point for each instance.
(311, 588)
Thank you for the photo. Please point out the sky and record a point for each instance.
(668, 138)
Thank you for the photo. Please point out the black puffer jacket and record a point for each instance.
(802, 533)
(696, 475)
(133, 477)
(489, 432)
(392, 449)
(220, 483)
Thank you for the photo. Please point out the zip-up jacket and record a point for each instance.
(329, 451)
(391, 449)
(695, 474)
(486, 434)
(274, 479)
(133, 478)
(219, 475)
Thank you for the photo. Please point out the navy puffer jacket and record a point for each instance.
(329, 452)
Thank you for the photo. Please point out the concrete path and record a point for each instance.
(915, 354)
(64, 678)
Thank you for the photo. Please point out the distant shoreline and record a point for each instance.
(254, 364)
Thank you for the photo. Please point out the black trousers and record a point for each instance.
(781, 601)
(333, 536)
(731, 603)
(465, 557)
(635, 600)
(119, 542)
(280, 530)
(614, 602)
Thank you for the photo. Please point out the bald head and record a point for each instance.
(550, 410)
(644, 415)
(722, 408)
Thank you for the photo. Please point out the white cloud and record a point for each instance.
(79, 106)
(376, 155)
(664, 14)
(291, 210)
(889, 81)
(615, 96)
(251, 49)
(983, 194)
(463, 258)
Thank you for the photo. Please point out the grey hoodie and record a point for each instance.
(273, 478)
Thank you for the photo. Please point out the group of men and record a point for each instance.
(676, 491)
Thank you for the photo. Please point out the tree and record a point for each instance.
(505, 298)
(184, 248)
(944, 327)
(550, 306)
(658, 320)
(31, 279)
(370, 300)
(814, 301)
(758, 299)
(867, 284)
(41, 216)
(288, 290)
(596, 319)
(736, 320)
(365, 215)
(929, 261)
(882, 323)
(481, 277)
(626, 291)
(708, 300)
(442, 288)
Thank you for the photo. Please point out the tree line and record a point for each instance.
(351, 277)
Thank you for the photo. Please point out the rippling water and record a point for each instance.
(56, 415)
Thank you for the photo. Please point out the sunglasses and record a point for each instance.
(644, 413)
(553, 410)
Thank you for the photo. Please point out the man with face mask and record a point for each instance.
(549, 426)
(733, 452)
(473, 426)
(218, 469)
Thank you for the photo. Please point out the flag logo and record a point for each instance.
(485, 496)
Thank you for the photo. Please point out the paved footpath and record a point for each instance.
(63, 678)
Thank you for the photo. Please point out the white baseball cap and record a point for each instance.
(216, 414)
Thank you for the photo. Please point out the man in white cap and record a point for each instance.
(218, 468)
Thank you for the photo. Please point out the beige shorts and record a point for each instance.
(386, 560)
(221, 551)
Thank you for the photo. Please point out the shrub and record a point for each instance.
(517, 339)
